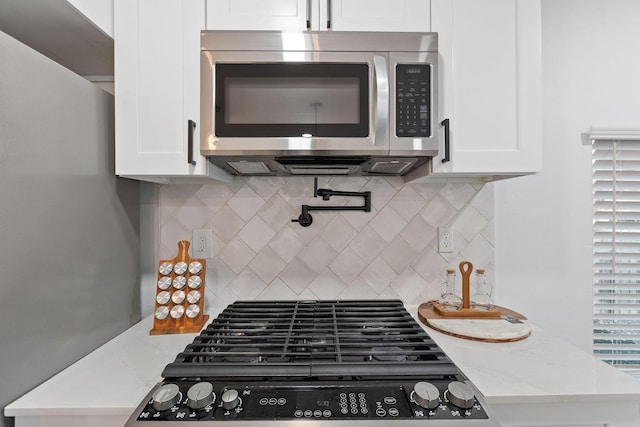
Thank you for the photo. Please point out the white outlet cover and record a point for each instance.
(202, 243)
(445, 240)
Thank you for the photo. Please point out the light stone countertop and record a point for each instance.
(538, 369)
(112, 380)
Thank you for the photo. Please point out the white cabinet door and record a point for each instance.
(259, 14)
(375, 15)
(300, 15)
(157, 68)
(490, 87)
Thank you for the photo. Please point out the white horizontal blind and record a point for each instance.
(616, 252)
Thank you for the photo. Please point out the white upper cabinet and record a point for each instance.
(258, 14)
(490, 87)
(375, 15)
(157, 86)
(316, 15)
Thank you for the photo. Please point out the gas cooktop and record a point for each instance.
(344, 361)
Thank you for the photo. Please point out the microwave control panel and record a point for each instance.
(412, 100)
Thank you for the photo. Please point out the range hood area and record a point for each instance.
(322, 165)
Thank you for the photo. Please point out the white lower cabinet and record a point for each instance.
(157, 87)
(490, 88)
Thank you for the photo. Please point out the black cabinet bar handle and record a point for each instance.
(191, 128)
(447, 147)
(328, 14)
(308, 14)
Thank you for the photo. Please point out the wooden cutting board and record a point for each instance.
(511, 326)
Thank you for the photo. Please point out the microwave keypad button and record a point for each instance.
(412, 100)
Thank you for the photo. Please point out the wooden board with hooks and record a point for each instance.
(179, 305)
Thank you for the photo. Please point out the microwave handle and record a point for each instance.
(381, 75)
(191, 128)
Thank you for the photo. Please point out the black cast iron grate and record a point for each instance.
(266, 340)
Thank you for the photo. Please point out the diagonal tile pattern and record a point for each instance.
(390, 252)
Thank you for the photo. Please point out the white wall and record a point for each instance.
(100, 12)
(69, 269)
(591, 78)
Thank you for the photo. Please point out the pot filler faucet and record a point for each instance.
(305, 218)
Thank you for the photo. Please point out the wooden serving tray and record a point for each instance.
(478, 328)
(179, 306)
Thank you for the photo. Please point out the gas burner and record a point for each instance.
(244, 355)
(388, 354)
(316, 343)
(242, 333)
(378, 329)
(253, 329)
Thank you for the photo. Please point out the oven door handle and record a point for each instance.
(381, 108)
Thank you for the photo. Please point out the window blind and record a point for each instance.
(616, 252)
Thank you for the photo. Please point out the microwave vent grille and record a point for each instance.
(390, 166)
(249, 167)
(319, 171)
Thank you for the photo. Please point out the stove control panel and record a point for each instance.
(203, 400)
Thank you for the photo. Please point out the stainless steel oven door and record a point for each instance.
(294, 103)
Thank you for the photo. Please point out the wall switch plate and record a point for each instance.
(445, 240)
(202, 244)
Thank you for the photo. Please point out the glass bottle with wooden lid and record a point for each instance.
(448, 299)
(481, 299)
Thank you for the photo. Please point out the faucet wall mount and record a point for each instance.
(305, 219)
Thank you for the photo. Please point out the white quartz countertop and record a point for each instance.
(111, 380)
(538, 369)
(114, 379)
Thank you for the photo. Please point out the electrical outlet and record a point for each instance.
(445, 240)
(202, 244)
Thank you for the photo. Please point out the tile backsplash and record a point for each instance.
(390, 252)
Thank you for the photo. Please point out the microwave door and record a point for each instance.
(322, 103)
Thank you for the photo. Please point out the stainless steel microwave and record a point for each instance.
(319, 103)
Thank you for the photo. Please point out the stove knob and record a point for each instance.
(461, 395)
(426, 395)
(200, 395)
(230, 399)
(166, 397)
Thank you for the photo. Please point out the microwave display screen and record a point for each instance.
(292, 100)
